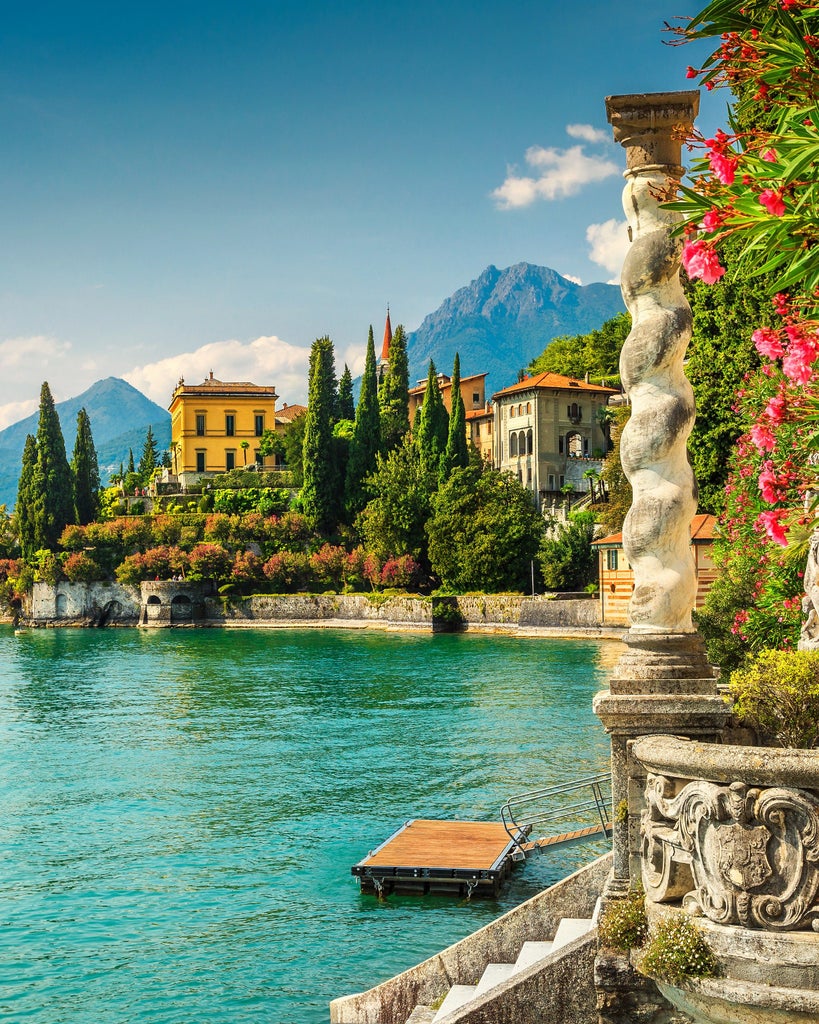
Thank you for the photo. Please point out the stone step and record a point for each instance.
(569, 929)
(531, 952)
(493, 975)
(457, 996)
(421, 1015)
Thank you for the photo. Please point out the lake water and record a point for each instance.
(181, 809)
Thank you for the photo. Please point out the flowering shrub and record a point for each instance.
(623, 924)
(756, 184)
(372, 569)
(400, 572)
(678, 950)
(288, 571)
(160, 563)
(247, 568)
(81, 568)
(210, 562)
(327, 566)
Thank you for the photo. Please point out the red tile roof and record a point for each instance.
(554, 380)
(444, 383)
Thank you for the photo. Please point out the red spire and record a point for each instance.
(385, 348)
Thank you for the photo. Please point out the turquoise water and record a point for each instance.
(181, 809)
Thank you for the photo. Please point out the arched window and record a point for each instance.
(530, 442)
(513, 443)
(575, 446)
(528, 408)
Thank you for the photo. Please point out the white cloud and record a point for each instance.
(572, 278)
(11, 412)
(609, 243)
(587, 133)
(267, 360)
(561, 172)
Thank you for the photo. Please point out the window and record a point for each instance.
(476, 399)
(200, 462)
(528, 408)
(560, 446)
(530, 442)
(575, 412)
(513, 443)
(200, 424)
(551, 481)
(258, 424)
(611, 560)
(230, 424)
(520, 410)
(259, 458)
(562, 480)
(529, 475)
(230, 460)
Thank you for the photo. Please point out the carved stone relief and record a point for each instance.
(739, 855)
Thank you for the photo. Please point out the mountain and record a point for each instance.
(505, 318)
(120, 416)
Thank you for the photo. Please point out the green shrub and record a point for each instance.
(777, 695)
(677, 950)
(623, 924)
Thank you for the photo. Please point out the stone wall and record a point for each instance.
(83, 604)
(102, 603)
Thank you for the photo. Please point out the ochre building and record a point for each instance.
(216, 426)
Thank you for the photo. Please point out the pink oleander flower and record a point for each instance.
(771, 523)
(770, 155)
(772, 487)
(700, 260)
(775, 409)
(762, 437)
(690, 72)
(768, 342)
(772, 201)
(713, 220)
(802, 353)
(724, 167)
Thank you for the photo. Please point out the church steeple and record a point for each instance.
(385, 348)
(384, 361)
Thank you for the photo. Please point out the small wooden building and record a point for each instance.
(617, 577)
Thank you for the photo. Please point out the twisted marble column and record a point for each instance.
(663, 683)
(656, 533)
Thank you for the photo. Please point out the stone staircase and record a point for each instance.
(494, 975)
(533, 964)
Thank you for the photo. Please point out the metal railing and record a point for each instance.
(531, 819)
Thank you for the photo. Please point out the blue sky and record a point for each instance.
(188, 187)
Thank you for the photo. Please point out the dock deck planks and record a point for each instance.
(427, 855)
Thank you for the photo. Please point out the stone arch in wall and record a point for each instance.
(574, 445)
(181, 608)
(153, 607)
(61, 606)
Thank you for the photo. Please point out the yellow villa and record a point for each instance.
(216, 426)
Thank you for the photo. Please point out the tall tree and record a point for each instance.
(24, 508)
(346, 405)
(393, 395)
(150, 455)
(319, 493)
(456, 454)
(131, 467)
(86, 472)
(432, 423)
(52, 487)
(366, 440)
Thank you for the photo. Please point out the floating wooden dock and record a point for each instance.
(423, 856)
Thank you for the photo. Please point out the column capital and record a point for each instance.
(651, 126)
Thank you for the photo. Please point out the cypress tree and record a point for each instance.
(86, 472)
(131, 467)
(346, 405)
(394, 393)
(150, 455)
(457, 453)
(433, 423)
(366, 441)
(52, 485)
(319, 493)
(24, 507)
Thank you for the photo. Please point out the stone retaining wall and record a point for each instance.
(87, 604)
(113, 603)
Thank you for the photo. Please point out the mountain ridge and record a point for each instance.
(502, 319)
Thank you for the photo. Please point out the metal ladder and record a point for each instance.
(531, 818)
